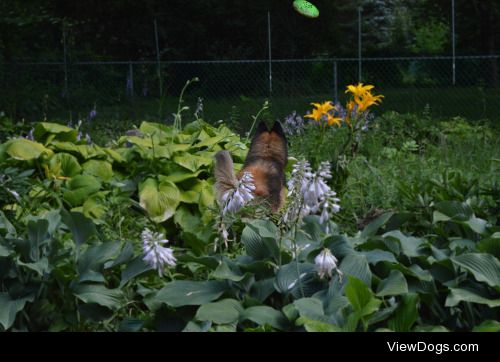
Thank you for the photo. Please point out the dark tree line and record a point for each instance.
(225, 29)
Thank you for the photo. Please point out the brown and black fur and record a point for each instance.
(266, 160)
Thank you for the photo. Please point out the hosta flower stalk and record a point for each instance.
(325, 263)
(155, 254)
(309, 193)
(234, 199)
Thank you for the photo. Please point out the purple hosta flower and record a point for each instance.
(236, 198)
(316, 188)
(294, 124)
(155, 254)
(92, 114)
(341, 111)
(324, 170)
(129, 87)
(328, 204)
(367, 119)
(199, 108)
(301, 175)
(297, 185)
(309, 193)
(88, 139)
(30, 135)
(79, 137)
(325, 263)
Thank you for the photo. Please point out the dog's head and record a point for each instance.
(269, 144)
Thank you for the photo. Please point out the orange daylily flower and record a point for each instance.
(359, 89)
(321, 110)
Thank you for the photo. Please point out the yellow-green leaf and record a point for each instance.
(159, 199)
(25, 150)
(100, 169)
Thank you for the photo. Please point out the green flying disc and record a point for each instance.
(306, 8)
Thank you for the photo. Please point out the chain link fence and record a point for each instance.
(235, 90)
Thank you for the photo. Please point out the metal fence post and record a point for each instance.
(158, 58)
(359, 43)
(65, 61)
(270, 58)
(130, 80)
(335, 82)
(453, 39)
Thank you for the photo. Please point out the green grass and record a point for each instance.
(473, 103)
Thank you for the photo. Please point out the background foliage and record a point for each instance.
(417, 236)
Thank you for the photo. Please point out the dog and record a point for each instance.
(266, 161)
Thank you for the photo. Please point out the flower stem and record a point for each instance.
(264, 107)
(297, 257)
(177, 116)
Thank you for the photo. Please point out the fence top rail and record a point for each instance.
(310, 60)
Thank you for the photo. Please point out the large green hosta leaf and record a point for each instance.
(207, 195)
(460, 213)
(95, 256)
(490, 245)
(195, 232)
(80, 188)
(182, 292)
(85, 151)
(264, 315)
(210, 141)
(95, 207)
(363, 304)
(372, 228)
(45, 132)
(37, 234)
(134, 268)
(82, 228)
(25, 150)
(484, 267)
(376, 256)
(222, 312)
(99, 294)
(152, 128)
(100, 169)
(409, 244)
(192, 162)
(159, 199)
(394, 284)
(5, 226)
(356, 265)
(64, 164)
(228, 271)
(310, 308)
(361, 297)
(259, 239)
(406, 315)
(10, 307)
(458, 295)
(298, 280)
(311, 315)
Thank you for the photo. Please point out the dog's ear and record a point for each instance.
(278, 129)
(261, 128)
